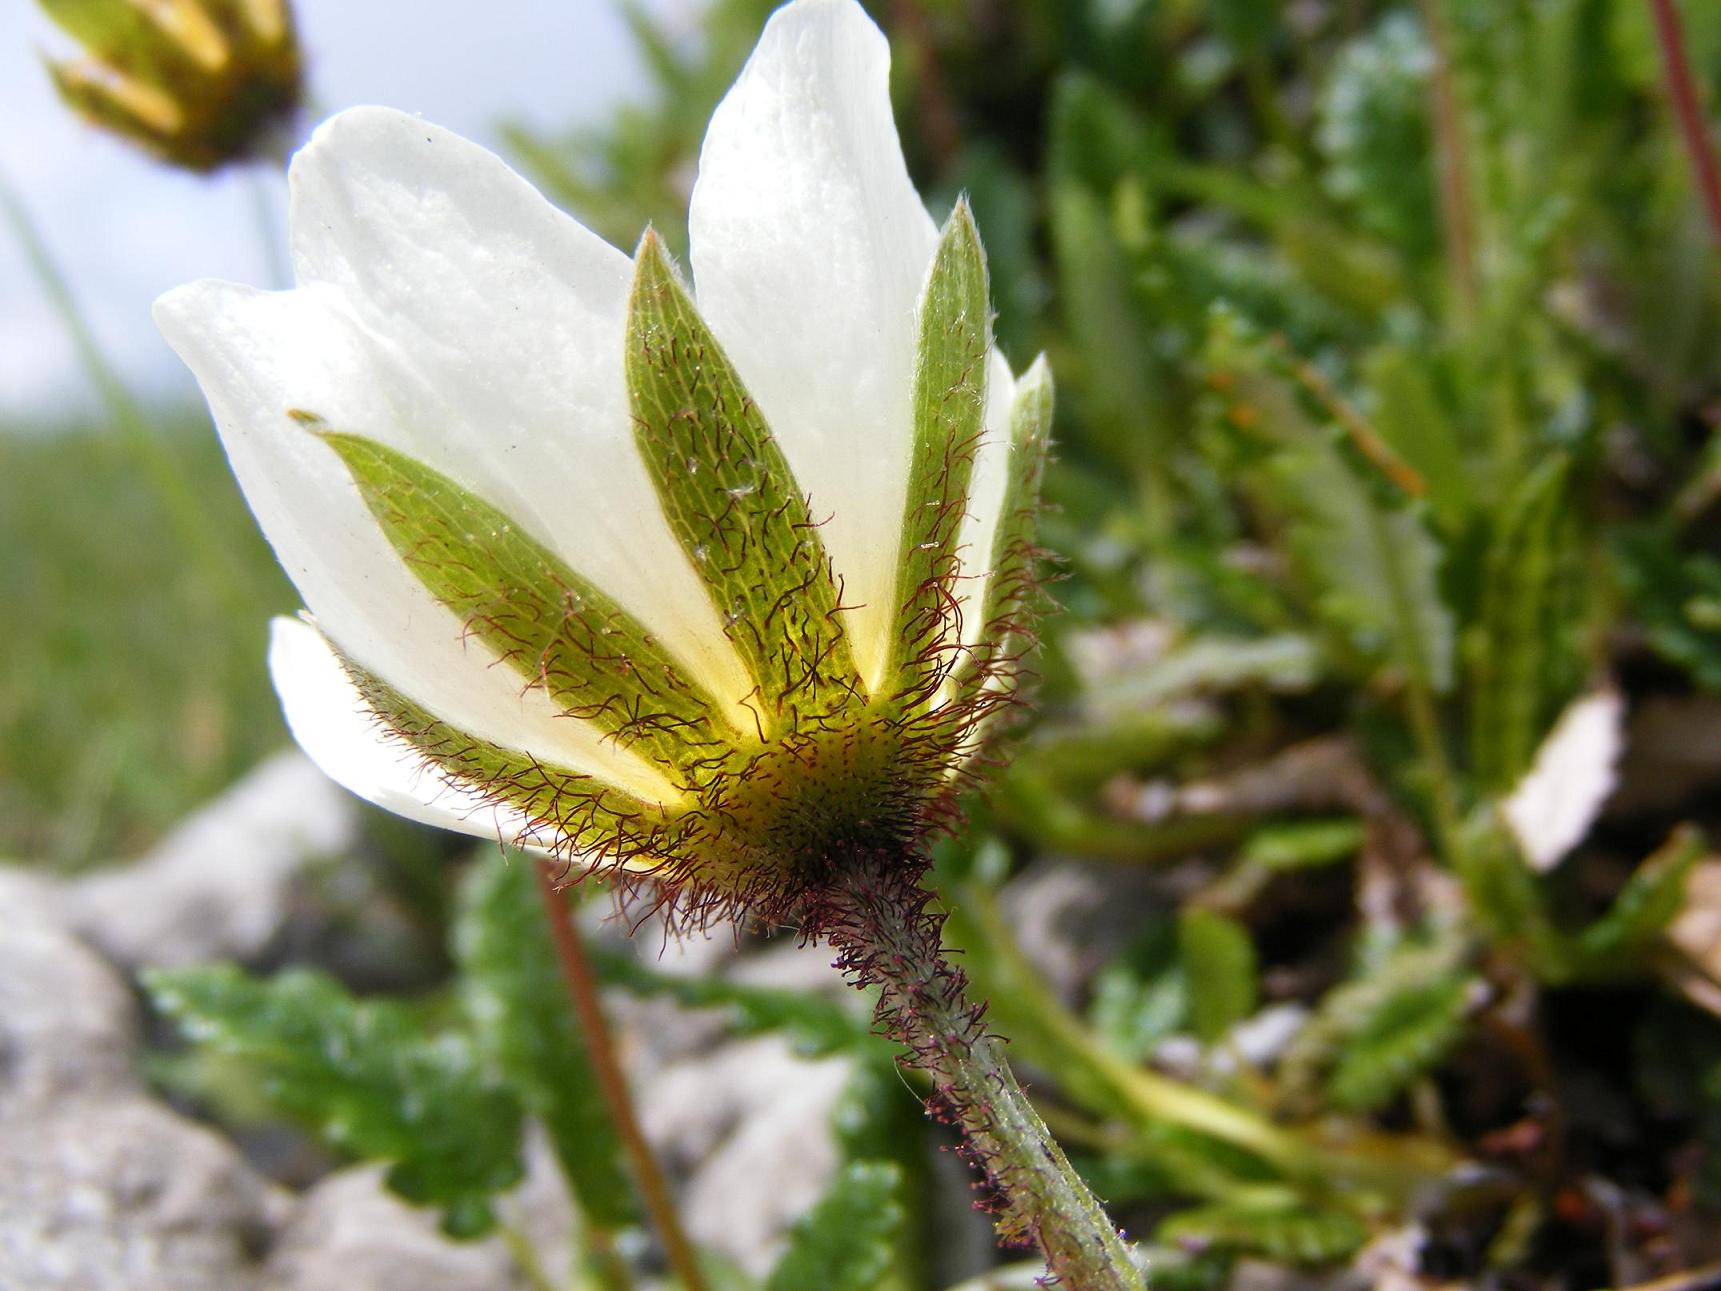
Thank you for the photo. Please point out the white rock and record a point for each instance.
(219, 886)
(68, 1025)
(123, 1195)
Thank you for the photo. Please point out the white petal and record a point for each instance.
(329, 719)
(809, 249)
(1559, 797)
(257, 355)
(513, 314)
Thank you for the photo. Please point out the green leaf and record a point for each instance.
(1142, 996)
(1648, 902)
(555, 628)
(1411, 418)
(1373, 567)
(1675, 594)
(1403, 1037)
(1219, 965)
(734, 505)
(1375, 133)
(844, 1242)
(1285, 1231)
(818, 1026)
(949, 399)
(1303, 844)
(1513, 645)
(367, 1076)
(512, 990)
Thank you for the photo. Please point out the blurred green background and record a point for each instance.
(1387, 346)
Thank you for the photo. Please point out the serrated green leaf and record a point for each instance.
(1293, 1233)
(365, 1075)
(818, 1026)
(1403, 1037)
(512, 990)
(553, 627)
(844, 1242)
(955, 335)
(1515, 638)
(1408, 412)
(1373, 567)
(1142, 996)
(734, 505)
(1219, 966)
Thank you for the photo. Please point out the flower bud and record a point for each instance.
(198, 83)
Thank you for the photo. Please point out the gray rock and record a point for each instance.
(68, 1025)
(749, 1127)
(124, 1195)
(350, 1232)
(220, 885)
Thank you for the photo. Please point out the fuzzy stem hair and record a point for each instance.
(876, 914)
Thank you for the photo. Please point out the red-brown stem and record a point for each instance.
(1453, 178)
(582, 987)
(1688, 110)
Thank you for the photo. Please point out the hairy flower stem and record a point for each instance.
(874, 913)
(582, 987)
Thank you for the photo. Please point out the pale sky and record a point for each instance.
(126, 229)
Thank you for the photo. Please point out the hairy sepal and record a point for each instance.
(949, 406)
(989, 669)
(555, 628)
(734, 506)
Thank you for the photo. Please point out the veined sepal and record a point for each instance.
(735, 507)
(955, 337)
(554, 627)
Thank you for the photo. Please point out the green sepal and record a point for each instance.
(733, 504)
(575, 815)
(1012, 594)
(367, 1076)
(551, 625)
(949, 419)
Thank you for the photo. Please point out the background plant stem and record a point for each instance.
(648, 1175)
(1687, 106)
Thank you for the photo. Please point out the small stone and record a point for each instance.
(350, 1232)
(68, 1025)
(124, 1195)
(220, 886)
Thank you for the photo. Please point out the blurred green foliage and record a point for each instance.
(1388, 340)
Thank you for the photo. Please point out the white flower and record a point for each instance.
(561, 588)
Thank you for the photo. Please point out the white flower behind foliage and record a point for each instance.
(487, 447)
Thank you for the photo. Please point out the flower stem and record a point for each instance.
(874, 913)
(648, 1175)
